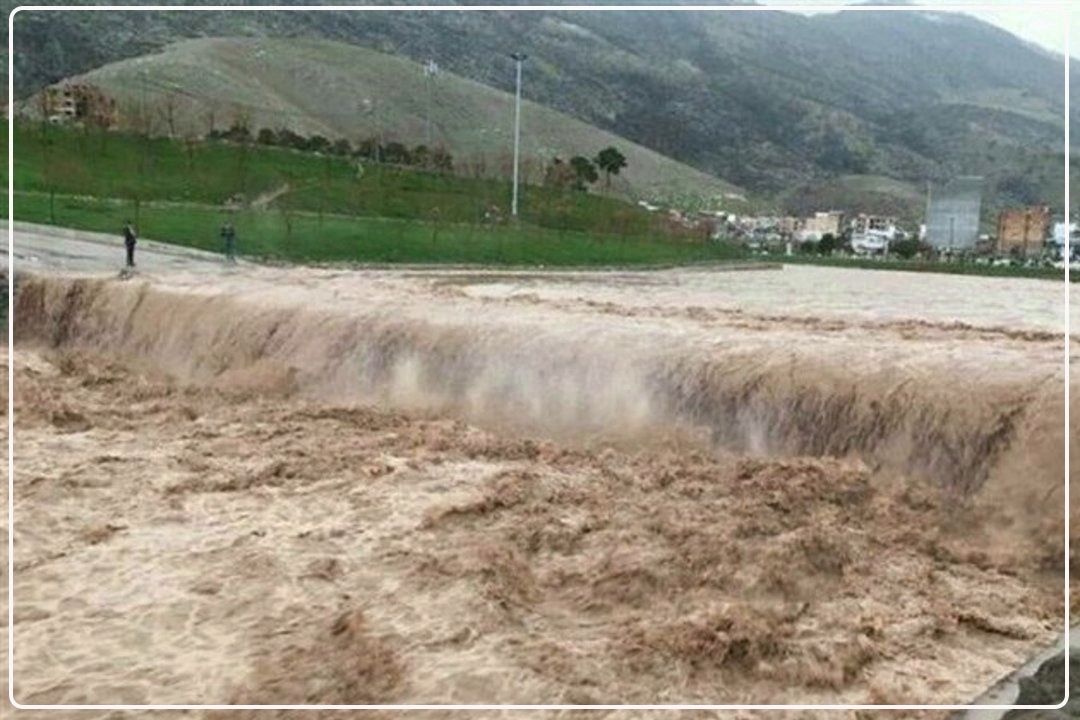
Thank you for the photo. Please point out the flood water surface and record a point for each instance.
(423, 485)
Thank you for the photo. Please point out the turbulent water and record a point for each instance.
(944, 399)
(680, 479)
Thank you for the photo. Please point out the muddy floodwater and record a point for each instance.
(417, 485)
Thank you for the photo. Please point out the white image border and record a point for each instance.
(1062, 6)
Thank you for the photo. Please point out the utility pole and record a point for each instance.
(370, 108)
(519, 58)
(926, 217)
(430, 71)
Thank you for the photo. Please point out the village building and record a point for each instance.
(1058, 237)
(820, 224)
(79, 102)
(1023, 231)
(872, 234)
(863, 224)
(789, 225)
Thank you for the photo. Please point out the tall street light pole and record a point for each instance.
(430, 71)
(519, 58)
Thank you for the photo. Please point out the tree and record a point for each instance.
(240, 133)
(584, 171)
(611, 161)
(168, 113)
(266, 136)
(341, 147)
(396, 154)
(908, 248)
(44, 109)
(52, 175)
(290, 139)
(191, 144)
(318, 143)
(240, 130)
(435, 217)
(841, 153)
(559, 175)
(327, 173)
(368, 148)
(421, 156)
(828, 244)
(442, 160)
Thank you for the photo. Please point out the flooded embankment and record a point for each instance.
(318, 485)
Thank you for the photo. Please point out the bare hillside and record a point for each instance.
(340, 90)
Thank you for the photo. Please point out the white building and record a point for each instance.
(872, 242)
(872, 234)
(1058, 235)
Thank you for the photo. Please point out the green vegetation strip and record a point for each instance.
(950, 268)
(65, 161)
(307, 207)
(306, 238)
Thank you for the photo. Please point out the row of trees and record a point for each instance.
(580, 172)
(829, 243)
(373, 149)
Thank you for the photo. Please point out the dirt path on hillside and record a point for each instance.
(263, 201)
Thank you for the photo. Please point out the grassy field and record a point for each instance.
(137, 169)
(316, 208)
(322, 209)
(306, 238)
(955, 268)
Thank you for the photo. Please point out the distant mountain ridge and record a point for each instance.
(771, 101)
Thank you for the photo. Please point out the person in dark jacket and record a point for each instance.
(129, 243)
(228, 236)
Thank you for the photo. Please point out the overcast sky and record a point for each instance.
(1042, 25)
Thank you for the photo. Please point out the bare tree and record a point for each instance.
(44, 106)
(435, 218)
(240, 132)
(168, 113)
(191, 144)
(325, 189)
(141, 121)
(286, 218)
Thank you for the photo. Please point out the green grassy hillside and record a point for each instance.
(767, 100)
(302, 206)
(306, 207)
(344, 91)
(139, 170)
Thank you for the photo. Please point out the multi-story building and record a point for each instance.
(79, 102)
(789, 225)
(821, 224)
(872, 234)
(1023, 231)
(863, 224)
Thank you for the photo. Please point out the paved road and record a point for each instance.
(42, 247)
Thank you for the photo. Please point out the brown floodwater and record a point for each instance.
(420, 485)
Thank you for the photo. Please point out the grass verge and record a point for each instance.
(304, 237)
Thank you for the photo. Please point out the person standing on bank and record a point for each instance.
(129, 243)
(228, 236)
